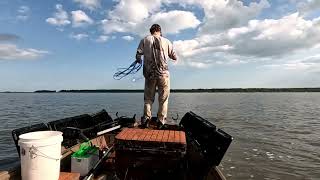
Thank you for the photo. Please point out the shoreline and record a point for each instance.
(222, 90)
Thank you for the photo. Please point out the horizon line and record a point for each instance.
(303, 89)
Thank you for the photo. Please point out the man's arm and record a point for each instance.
(139, 53)
(171, 53)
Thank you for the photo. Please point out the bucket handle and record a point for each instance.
(34, 152)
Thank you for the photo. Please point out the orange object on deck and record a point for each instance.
(69, 176)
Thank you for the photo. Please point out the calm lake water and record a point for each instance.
(276, 135)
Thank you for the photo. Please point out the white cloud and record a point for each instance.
(89, 4)
(134, 11)
(102, 38)
(12, 52)
(223, 15)
(220, 15)
(235, 62)
(9, 37)
(60, 17)
(136, 17)
(172, 22)
(22, 17)
(312, 59)
(128, 38)
(80, 18)
(23, 9)
(175, 21)
(308, 6)
(79, 36)
(302, 62)
(294, 66)
(277, 37)
(110, 26)
(199, 65)
(260, 40)
(23, 13)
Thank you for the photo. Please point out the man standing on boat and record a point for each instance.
(156, 51)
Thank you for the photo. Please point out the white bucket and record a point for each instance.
(40, 155)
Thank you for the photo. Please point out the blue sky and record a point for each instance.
(79, 44)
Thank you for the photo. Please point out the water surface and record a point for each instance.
(276, 135)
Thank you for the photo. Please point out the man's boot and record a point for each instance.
(144, 122)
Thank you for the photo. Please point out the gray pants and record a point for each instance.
(163, 85)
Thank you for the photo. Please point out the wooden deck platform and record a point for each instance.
(69, 176)
(149, 135)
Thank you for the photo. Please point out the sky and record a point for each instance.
(79, 44)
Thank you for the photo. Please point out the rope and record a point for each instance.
(123, 72)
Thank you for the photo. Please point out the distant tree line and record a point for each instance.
(45, 91)
(103, 91)
(250, 90)
(221, 90)
(224, 90)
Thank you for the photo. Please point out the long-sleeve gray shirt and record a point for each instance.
(156, 51)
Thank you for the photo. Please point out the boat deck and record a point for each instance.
(106, 140)
(142, 154)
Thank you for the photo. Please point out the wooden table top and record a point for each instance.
(150, 135)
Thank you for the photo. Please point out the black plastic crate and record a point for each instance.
(17, 132)
(87, 124)
(71, 138)
(125, 121)
(81, 122)
(101, 117)
(196, 124)
(212, 142)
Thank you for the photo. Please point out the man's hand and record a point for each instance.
(139, 55)
(138, 61)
